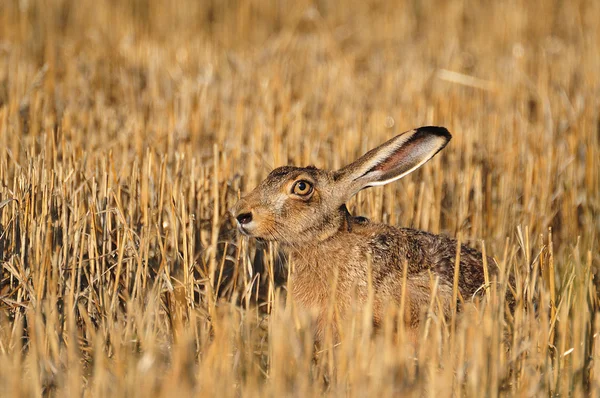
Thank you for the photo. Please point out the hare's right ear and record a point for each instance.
(392, 160)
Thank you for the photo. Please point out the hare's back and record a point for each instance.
(392, 247)
(438, 253)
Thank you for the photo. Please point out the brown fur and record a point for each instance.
(324, 241)
(387, 248)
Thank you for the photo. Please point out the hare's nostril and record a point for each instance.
(244, 218)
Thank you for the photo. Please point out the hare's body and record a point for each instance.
(303, 208)
(344, 258)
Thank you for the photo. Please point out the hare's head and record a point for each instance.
(296, 205)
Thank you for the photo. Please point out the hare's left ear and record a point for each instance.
(392, 160)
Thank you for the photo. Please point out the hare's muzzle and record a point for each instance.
(242, 215)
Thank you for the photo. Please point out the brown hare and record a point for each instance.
(303, 208)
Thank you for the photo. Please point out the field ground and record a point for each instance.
(127, 129)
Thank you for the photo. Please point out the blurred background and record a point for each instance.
(128, 128)
(277, 82)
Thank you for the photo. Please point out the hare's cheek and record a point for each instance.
(278, 204)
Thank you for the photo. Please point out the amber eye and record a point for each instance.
(302, 188)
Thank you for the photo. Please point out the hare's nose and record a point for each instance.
(244, 218)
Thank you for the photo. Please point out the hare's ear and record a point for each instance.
(393, 159)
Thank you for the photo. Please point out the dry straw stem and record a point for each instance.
(127, 129)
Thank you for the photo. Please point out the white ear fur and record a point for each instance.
(394, 159)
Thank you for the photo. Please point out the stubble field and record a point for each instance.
(127, 129)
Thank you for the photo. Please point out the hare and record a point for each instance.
(303, 209)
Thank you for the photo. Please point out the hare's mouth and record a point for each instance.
(248, 230)
(242, 230)
(245, 229)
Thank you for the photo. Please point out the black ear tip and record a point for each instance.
(435, 130)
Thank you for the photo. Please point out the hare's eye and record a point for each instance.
(302, 188)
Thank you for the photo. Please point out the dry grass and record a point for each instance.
(128, 128)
